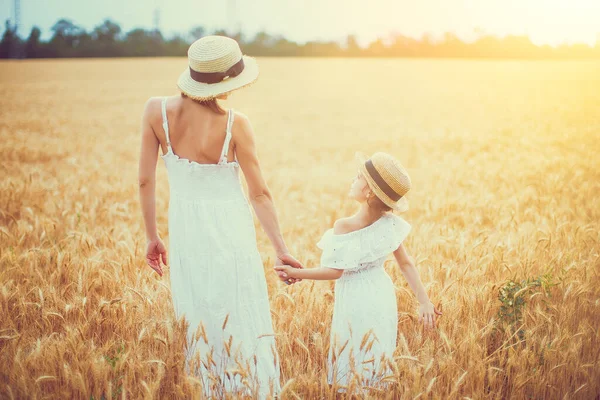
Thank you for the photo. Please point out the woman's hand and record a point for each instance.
(154, 252)
(286, 273)
(427, 313)
(289, 261)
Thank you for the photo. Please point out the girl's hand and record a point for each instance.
(285, 270)
(427, 313)
(154, 252)
(287, 260)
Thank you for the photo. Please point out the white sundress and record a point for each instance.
(365, 316)
(217, 276)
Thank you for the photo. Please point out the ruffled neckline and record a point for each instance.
(350, 250)
(358, 231)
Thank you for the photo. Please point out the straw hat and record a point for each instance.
(216, 66)
(387, 178)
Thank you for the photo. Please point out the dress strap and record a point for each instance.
(225, 150)
(166, 123)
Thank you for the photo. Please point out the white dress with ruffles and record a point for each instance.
(217, 276)
(365, 317)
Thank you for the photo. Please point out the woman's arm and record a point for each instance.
(259, 193)
(318, 274)
(147, 173)
(427, 310)
(147, 184)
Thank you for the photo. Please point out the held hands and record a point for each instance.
(156, 251)
(285, 272)
(283, 265)
(427, 314)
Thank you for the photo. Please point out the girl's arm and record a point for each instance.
(427, 310)
(319, 274)
(411, 274)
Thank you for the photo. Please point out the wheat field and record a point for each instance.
(504, 159)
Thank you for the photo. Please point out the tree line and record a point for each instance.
(109, 40)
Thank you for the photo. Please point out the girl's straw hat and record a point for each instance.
(387, 178)
(216, 67)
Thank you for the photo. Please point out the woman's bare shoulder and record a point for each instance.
(242, 129)
(152, 109)
(240, 115)
(241, 120)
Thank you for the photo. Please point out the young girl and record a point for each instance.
(364, 326)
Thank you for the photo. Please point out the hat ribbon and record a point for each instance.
(216, 77)
(383, 185)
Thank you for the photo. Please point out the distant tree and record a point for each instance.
(106, 39)
(176, 46)
(10, 46)
(107, 31)
(515, 46)
(33, 47)
(352, 47)
(576, 50)
(377, 48)
(220, 32)
(404, 46)
(88, 47)
(284, 47)
(65, 39)
(452, 46)
(262, 39)
(238, 37)
(66, 30)
(260, 45)
(425, 46)
(196, 33)
(321, 49)
(486, 47)
(142, 43)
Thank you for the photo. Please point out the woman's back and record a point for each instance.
(197, 154)
(197, 133)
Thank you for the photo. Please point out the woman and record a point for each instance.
(216, 272)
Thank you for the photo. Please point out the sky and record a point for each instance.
(544, 21)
